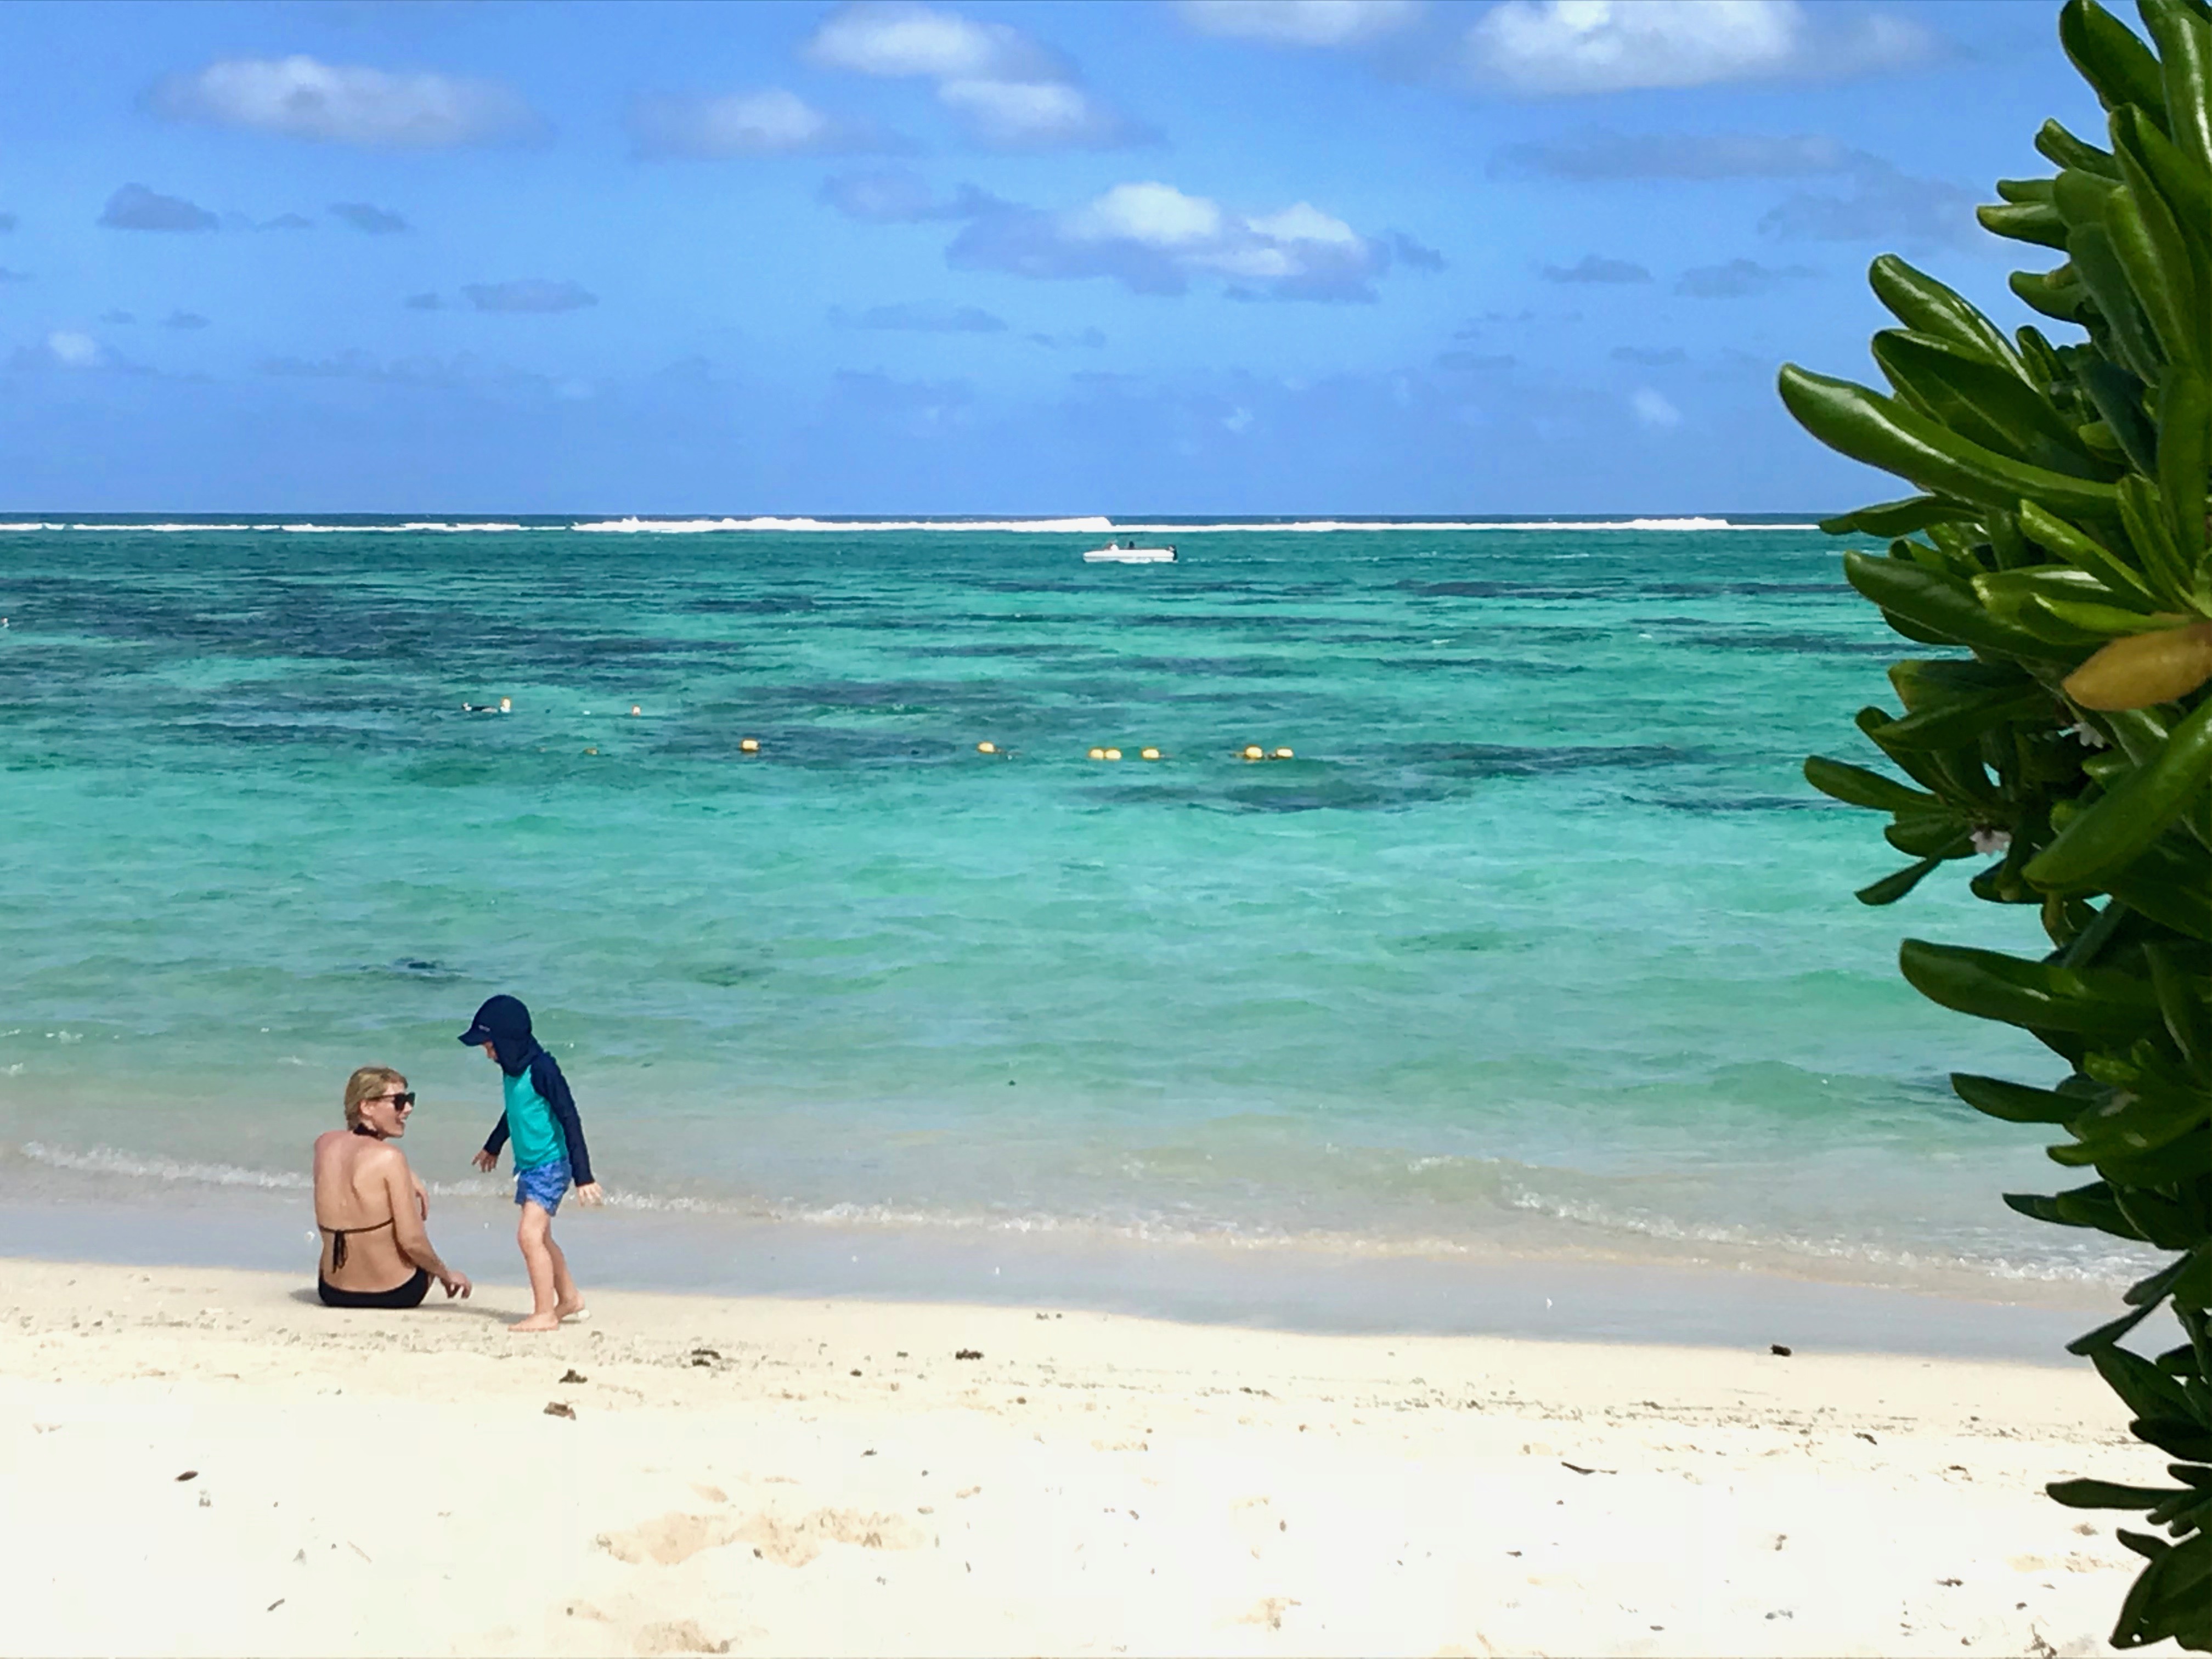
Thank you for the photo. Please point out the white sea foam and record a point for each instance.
(432, 526)
(635, 526)
(160, 529)
(105, 1160)
(1100, 526)
(2118, 1266)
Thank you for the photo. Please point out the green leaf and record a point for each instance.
(2121, 827)
(2188, 1019)
(1944, 602)
(2023, 222)
(1893, 887)
(2185, 456)
(1899, 518)
(1982, 402)
(2118, 395)
(2106, 1495)
(2178, 1435)
(2183, 40)
(2184, 186)
(1882, 432)
(2015, 1103)
(1859, 787)
(2054, 143)
(1927, 306)
(2038, 995)
(2148, 1391)
(2117, 66)
(2089, 250)
(2079, 548)
(1938, 835)
(2057, 293)
(1961, 720)
(2151, 251)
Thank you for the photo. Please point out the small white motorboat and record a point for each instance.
(1129, 553)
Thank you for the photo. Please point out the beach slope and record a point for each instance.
(207, 1461)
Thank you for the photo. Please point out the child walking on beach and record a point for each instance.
(549, 1152)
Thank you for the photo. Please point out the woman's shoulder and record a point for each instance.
(359, 1149)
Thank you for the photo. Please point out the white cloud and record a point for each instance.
(1653, 411)
(901, 39)
(1156, 216)
(771, 122)
(1300, 23)
(1034, 115)
(1567, 46)
(1155, 239)
(74, 350)
(301, 97)
(1007, 90)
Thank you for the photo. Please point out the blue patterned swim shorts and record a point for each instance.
(544, 1186)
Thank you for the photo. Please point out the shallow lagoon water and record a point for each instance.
(1539, 946)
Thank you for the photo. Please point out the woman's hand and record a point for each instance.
(589, 1193)
(455, 1284)
(484, 1161)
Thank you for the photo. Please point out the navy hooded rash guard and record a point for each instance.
(540, 1114)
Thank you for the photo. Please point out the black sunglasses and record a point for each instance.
(405, 1099)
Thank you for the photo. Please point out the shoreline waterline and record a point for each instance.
(1288, 1285)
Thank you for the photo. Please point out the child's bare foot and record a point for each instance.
(537, 1321)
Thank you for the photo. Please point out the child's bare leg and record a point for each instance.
(568, 1299)
(533, 1234)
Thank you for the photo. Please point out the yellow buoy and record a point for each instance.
(507, 705)
(1284, 754)
(1112, 754)
(986, 748)
(1097, 754)
(1148, 754)
(750, 745)
(1253, 752)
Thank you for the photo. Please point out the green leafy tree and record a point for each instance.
(2059, 549)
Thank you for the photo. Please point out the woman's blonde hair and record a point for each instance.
(369, 1080)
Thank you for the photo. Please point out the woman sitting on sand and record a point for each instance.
(370, 1206)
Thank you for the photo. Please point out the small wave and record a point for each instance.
(428, 526)
(105, 1160)
(634, 526)
(2118, 1268)
(160, 529)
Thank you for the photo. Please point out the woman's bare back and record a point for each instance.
(359, 1181)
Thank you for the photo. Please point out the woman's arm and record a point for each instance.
(407, 1227)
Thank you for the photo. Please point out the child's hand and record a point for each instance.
(484, 1160)
(589, 1193)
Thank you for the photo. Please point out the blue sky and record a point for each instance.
(1215, 256)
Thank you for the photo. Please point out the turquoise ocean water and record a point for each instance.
(1538, 944)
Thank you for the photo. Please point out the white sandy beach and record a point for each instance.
(771, 1476)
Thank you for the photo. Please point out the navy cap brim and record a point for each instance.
(475, 1037)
